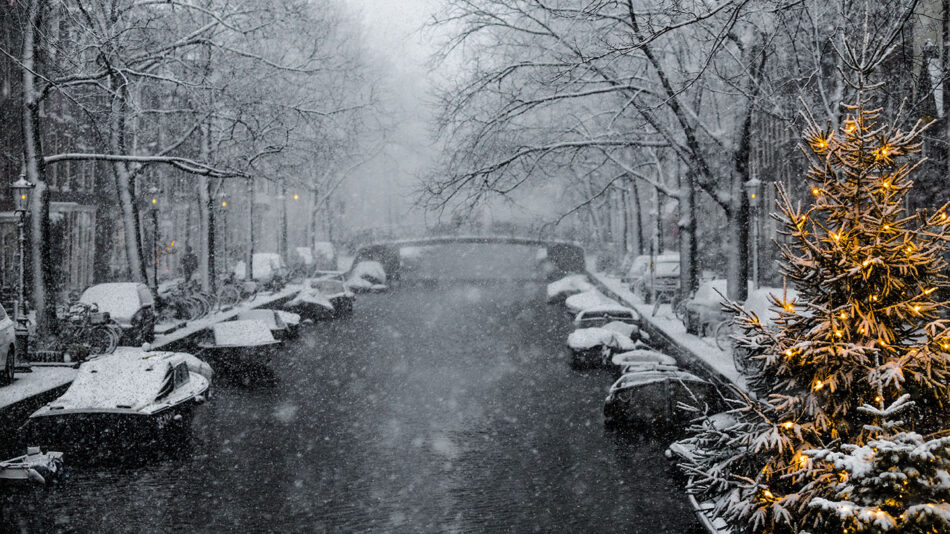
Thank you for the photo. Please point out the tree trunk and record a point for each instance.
(125, 182)
(689, 268)
(248, 274)
(638, 206)
(945, 72)
(36, 172)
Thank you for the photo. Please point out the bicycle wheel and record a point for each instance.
(722, 335)
(100, 340)
(679, 309)
(229, 296)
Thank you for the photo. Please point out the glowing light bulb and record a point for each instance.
(887, 227)
(789, 353)
(844, 315)
(815, 191)
(787, 425)
(929, 291)
(838, 333)
(917, 308)
(818, 385)
(878, 399)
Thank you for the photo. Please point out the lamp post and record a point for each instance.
(153, 208)
(22, 190)
(754, 189)
(223, 199)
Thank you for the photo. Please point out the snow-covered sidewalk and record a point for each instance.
(42, 379)
(664, 324)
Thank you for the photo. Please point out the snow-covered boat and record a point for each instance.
(126, 399)
(336, 292)
(654, 398)
(35, 466)
(239, 345)
(275, 321)
(606, 313)
(311, 303)
(595, 346)
(588, 299)
(367, 276)
(571, 284)
(641, 360)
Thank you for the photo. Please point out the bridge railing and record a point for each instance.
(362, 236)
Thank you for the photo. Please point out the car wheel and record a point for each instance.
(10, 365)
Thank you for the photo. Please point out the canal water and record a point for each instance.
(446, 405)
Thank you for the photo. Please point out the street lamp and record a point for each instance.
(22, 189)
(754, 189)
(153, 208)
(223, 200)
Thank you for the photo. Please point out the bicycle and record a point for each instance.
(84, 331)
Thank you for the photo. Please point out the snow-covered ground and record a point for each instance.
(703, 350)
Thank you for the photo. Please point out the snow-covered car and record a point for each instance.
(367, 276)
(586, 300)
(130, 305)
(664, 280)
(640, 266)
(704, 311)
(264, 267)
(571, 284)
(7, 347)
(595, 346)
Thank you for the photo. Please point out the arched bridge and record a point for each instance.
(565, 256)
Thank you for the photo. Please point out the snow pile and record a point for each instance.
(328, 287)
(369, 271)
(121, 299)
(567, 286)
(588, 338)
(588, 299)
(289, 318)
(249, 333)
(305, 255)
(626, 329)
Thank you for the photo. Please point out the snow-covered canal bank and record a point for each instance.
(444, 406)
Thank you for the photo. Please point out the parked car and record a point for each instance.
(130, 305)
(586, 300)
(7, 347)
(665, 277)
(704, 310)
(570, 285)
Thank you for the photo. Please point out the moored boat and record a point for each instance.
(653, 399)
(239, 345)
(35, 466)
(279, 327)
(595, 346)
(126, 399)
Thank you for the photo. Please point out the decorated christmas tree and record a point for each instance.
(845, 429)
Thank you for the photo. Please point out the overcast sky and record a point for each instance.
(380, 192)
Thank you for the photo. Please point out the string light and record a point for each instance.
(818, 385)
(815, 191)
(787, 425)
(844, 315)
(850, 126)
